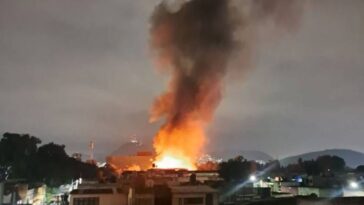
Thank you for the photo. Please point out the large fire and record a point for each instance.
(193, 42)
(169, 161)
(179, 147)
(193, 45)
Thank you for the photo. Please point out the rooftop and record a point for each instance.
(192, 189)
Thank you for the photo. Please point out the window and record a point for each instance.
(86, 201)
(194, 200)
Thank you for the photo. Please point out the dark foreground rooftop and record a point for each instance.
(313, 201)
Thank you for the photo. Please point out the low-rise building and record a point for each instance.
(98, 194)
(196, 195)
(313, 191)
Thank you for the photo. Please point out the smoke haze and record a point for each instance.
(193, 43)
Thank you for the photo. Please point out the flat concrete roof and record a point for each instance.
(192, 189)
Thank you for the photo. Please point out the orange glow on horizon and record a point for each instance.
(134, 167)
(179, 147)
(169, 162)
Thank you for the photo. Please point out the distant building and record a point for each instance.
(173, 176)
(313, 191)
(141, 196)
(20, 194)
(152, 187)
(242, 195)
(132, 156)
(140, 161)
(196, 195)
(98, 194)
(173, 195)
(136, 193)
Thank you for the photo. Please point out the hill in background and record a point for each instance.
(247, 154)
(352, 158)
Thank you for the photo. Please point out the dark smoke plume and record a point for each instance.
(194, 44)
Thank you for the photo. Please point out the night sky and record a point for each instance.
(72, 71)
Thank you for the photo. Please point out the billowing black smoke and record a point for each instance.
(193, 42)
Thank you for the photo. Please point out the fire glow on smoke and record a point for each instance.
(193, 43)
(180, 146)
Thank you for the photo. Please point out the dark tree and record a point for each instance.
(17, 151)
(322, 165)
(22, 159)
(273, 166)
(57, 168)
(360, 168)
(52, 164)
(237, 169)
(330, 163)
(311, 167)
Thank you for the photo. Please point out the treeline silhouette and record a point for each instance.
(239, 168)
(22, 157)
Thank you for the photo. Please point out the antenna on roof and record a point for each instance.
(91, 148)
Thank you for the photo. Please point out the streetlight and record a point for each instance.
(353, 185)
(252, 178)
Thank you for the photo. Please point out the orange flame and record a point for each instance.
(192, 45)
(179, 147)
(133, 167)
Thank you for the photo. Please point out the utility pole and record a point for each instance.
(91, 148)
